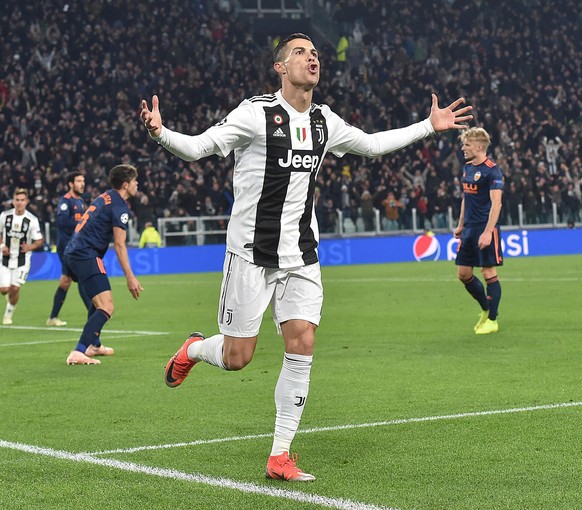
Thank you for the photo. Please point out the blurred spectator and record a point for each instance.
(367, 211)
(71, 80)
(150, 237)
(392, 208)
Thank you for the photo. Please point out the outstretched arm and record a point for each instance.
(357, 142)
(449, 118)
(219, 139)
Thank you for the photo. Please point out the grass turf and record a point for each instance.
(396, 342)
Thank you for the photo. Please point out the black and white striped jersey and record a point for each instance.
(16, 230)
(278, 152)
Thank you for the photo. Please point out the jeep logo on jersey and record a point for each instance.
(16, 235)
(302, 163)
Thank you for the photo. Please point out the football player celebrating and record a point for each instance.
(279, 142)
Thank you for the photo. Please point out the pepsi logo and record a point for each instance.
(426, 247)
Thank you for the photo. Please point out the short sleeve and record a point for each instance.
(120, 215)
(36, 233)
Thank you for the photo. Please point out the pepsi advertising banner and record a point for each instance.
(332, 252)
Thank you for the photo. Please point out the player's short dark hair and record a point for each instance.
(71, 176)
(120, 174)
(279, 51)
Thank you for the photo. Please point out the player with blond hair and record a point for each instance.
(20, 235)
(478, 228)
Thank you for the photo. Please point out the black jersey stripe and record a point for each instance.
(24, 229)
(275, 186)
(268, 98)
(319, 137)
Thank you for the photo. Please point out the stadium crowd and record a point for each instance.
(72, 77)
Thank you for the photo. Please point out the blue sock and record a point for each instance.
(92, 329)
(86, 299)
(58, 301)
(476, 289)
(90, 311)
(494, 296)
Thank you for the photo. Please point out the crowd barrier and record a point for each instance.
(332, 252)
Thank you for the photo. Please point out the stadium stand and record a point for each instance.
(72, 76)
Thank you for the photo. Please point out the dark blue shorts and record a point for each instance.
(469, 254)
(90, 275)
(66, 270)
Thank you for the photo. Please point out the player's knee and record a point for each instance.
(238, 361)
(238, 352)
(465, 276)
(302, 343)
(65, 283)
(108, 309)
(4, 290)
(488, 272)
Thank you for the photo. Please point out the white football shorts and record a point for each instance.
(16, 277)
(247, 290)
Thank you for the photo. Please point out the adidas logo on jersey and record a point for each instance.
(279, 133)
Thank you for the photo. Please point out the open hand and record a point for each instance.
(449, 118)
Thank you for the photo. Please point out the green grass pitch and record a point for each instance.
(406, 406)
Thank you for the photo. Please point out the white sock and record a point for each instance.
(290, 397)
(208, 350)
(9, 310)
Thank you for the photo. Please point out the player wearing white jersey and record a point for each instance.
(279, 142)
(278, 152)
(20, 235)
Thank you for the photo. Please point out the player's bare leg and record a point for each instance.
(12, 296)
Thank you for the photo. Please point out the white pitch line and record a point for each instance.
(62, 341)
(222, 483)
(402, 421)
(121, 331)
